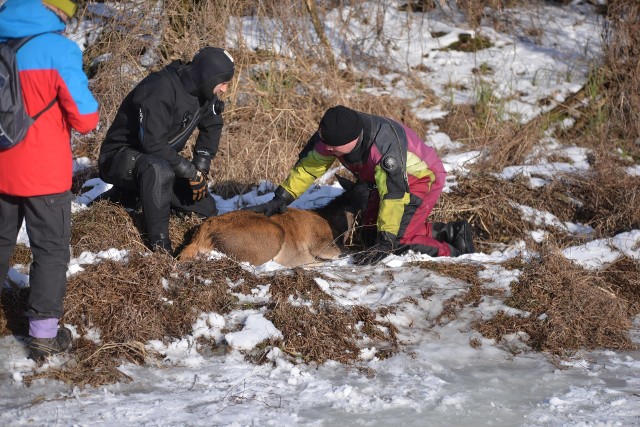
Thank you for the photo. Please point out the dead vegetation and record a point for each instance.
(317, 329)
(595, 198)
(471, 296)
(275, 103)
(622, 76)
(566, 308)
(149, 296)
(93, 229)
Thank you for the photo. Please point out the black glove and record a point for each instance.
(281, 198)
(386, 244)
(198, 186)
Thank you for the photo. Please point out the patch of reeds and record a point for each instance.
(104, 225)
(489, 204)
(622, 75)
(569, 308)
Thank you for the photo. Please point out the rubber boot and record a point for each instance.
(454, 252)
(462, 237)
(456, 233)
(441, 232)
(160, 242)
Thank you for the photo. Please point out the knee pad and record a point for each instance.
(156, 178)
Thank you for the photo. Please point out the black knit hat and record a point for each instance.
(209, 67)
(340, 125)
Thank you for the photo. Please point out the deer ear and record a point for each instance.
(345, 183)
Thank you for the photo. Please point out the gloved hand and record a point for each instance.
(198, 186)
(386, 244)
(281, 198)
(202, 161)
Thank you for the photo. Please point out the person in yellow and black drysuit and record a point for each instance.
(407, 173)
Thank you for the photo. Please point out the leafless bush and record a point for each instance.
(611, 206)
(622, 62)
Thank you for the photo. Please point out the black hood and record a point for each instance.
(210, 67)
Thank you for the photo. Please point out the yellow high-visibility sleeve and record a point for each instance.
(307, 170)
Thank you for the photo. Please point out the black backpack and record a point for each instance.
(14, 120)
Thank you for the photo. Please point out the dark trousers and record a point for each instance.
(153, 179)
(48, 220)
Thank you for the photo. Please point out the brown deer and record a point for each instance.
(293, 238)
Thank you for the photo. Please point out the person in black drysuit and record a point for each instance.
(140, 154)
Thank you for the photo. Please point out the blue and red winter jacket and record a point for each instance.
(50, 67)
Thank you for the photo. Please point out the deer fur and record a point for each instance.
(293, 238)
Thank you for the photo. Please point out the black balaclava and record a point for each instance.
(210, 67)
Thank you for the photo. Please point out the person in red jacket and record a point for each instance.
(35, 175)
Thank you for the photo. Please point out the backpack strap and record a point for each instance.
(44, 110)
(16, 44)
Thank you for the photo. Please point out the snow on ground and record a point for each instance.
(437, 378)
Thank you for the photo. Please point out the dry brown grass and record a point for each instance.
(487, 202)
(609, 197)
(622, 51)
(623, 277)
(94, 364)
(129, 308)
(610, 120)
(152, 297)
(605, 198)
(274, 105)
(275, 102)
(149, 297)
(21, 255)
(328, 331)
(105, 225)
(570, 308)
(14, 305)
(300, 284)
(505, 143)
(318, 329)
